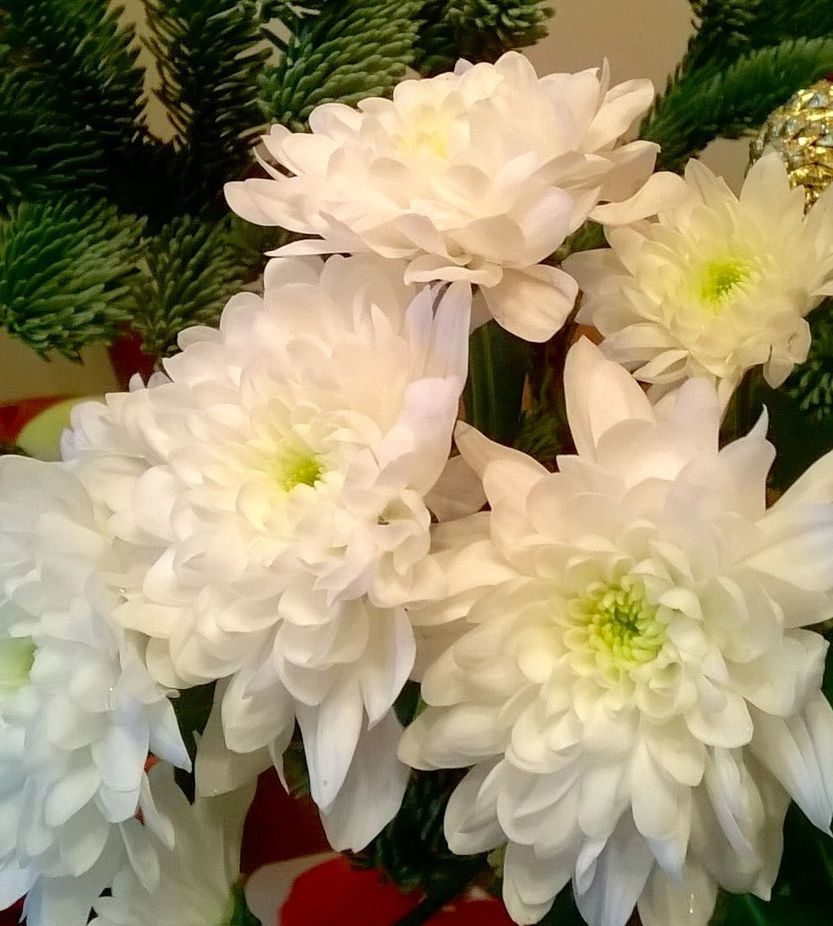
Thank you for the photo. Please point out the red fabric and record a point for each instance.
(11, 917)
(127, 358)
(279, 826)
(14, 416)
(336, 894)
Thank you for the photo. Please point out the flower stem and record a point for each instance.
(443, 893)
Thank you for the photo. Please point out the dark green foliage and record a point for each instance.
(727, 103)
(65, 271)
(497, 370)
(478, 30)
(348, 52)
(811, 385)
(241, 915)
(541, 435)
(39, 152)
(564, 911)
(412, 849)
(192, 708)
(79, 64)
(209, 54)
(724, 31)
(78, 55)
(191, 269)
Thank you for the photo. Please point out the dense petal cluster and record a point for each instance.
(476, 175)
(268, 494)
(716, 285)
(79, 712)
(200, 877)
(633, 685)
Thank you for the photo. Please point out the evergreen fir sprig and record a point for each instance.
(65, 270)
(39, 153)
(190, 270)
(811, 385)
(730, 102)
(209, 54)
(81, 61)
(343, 54)
(478, 30)
(412, 849)
(723, 33)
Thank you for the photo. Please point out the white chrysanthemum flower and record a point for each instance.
(635, 692)
(78, 711)
(478, 175)
(200, 882)
(716, 285)
(269, 492)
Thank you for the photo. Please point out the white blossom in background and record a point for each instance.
(268, 493)
(200, 882)
(78, 711)
(716, 285)
(635, 692)
(474, 175)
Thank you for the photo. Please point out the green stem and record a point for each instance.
(444, 893)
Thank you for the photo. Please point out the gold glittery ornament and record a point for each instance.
(801, 131)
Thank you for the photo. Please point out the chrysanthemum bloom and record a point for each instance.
(268, 493)
(477, 175)
(78, 711)
(716, 285)
(200, 883)
(635, 693)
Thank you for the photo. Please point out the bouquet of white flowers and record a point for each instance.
(598, 630)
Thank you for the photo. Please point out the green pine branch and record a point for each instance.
(731, 102)
(811, 385)
(209, 53)
(478, 30)
(190, 270)
(345, 53)
(40, 154)
(64, 273)
(82, 61)
(724, 31)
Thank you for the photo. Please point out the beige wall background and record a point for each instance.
(640, 38)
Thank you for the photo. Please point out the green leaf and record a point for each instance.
(497, 370)
(192, 707)
(729, 102)
(348, 52)
(241, 915)
(65, 272)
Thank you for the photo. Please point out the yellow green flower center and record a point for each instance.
(616, 625)
(719, 279)
(299, 469)
(17, 655)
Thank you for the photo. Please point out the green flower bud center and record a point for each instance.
(617, 624)
(17, 655)
(299, 469)
(720, 278)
